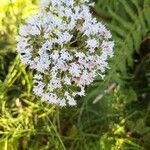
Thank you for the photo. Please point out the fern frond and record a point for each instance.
(130, 23)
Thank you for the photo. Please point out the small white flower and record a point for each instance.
(107, 47)
(38, 77)
(65, 55)
(55, 56)
(92, 43)
(71, 101)
(67, 80)
(39, 88)
(23, 30)
(35, 30)
(44, 3)
(80, 55)
(62, 102)
(74, 70)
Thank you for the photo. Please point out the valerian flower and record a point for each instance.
(67, 47)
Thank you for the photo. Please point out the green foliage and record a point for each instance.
(130, 23)
(115, 114)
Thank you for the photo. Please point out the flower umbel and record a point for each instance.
(66, 46)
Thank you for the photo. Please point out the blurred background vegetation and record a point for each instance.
(114, 115)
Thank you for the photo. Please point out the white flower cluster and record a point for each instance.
(66, 46)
